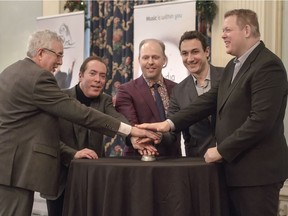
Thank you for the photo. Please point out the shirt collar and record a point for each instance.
(150, 83)
(208, 77)
(243, 58)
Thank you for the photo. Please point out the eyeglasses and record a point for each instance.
(59, 56)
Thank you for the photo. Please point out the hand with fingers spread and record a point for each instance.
(147, 151)
(144, 146)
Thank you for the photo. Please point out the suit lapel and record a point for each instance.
(227, 86)
(214, 75)
(191, 90)
(169, 86)
(144, 90)
(79, 131)
(93, 135)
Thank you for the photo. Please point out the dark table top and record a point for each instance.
(131, 187)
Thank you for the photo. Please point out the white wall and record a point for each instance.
(17, 22)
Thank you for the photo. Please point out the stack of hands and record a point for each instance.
(153, 132)
(145, 136)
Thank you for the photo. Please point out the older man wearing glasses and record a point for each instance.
(31, 102)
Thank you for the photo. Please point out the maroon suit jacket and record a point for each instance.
(135, 101)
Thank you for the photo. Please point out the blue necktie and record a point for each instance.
(159, 102)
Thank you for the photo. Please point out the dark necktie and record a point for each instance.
(159, 102)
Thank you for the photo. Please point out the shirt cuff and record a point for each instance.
(172, 126)
(124, 129)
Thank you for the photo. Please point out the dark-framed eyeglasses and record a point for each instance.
(59, 56)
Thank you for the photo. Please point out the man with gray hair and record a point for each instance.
(31, 103)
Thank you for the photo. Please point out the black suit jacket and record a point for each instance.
(249, 125)
(75, 135)
(200, 136)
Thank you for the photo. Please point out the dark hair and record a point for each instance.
(189, 35)
(91, 58)
(245, 17)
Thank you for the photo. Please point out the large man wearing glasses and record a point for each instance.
(31, 102)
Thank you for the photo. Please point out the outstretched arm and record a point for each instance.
(159, 126)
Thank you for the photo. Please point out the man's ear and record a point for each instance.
(166, 62)
(207, 51)
(247, 29)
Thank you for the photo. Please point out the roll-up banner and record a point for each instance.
(70, 27)
(166, 22)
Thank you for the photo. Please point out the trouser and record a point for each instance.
(15, 201)
(55, 207)
(255, 200)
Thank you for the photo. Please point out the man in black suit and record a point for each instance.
(89, 91)
(250, 102)
(195, 53)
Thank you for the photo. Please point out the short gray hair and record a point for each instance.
(41, 39)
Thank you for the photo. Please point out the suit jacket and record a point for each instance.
(135, 101)
(200, 136)
(249, 124)
(74, 135)
(31, 103)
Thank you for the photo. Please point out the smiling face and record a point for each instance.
(234, 36)
(194, 58)
(50, 58)
(151, 60)
(93, 79)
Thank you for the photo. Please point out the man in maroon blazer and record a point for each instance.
(136, 99)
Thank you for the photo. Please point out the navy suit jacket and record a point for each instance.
(249, 124)
(135, 101)
(200, 136)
